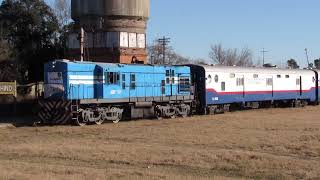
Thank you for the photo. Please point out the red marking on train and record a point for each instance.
(260, 92)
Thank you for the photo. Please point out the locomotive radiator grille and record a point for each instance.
(55, 112)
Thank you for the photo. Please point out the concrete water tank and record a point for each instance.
(110, 25)
(133, 8)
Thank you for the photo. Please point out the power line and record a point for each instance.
(164, 42)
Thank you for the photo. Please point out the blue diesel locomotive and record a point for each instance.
(86, 92)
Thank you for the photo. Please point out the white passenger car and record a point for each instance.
(231, 85)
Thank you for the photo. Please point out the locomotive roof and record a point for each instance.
(108, 64)
(235, 69)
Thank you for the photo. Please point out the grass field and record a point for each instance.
(257, 144)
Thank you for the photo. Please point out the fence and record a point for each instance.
(19, 99)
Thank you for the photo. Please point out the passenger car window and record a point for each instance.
(209, 79)
(240, 81)
(269, 81)
(223, 86)
(216, 78)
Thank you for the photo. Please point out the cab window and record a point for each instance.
(112, 77)
(132, 81)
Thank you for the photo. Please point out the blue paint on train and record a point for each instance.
(319, 93)
(86, 80)
(213, 97)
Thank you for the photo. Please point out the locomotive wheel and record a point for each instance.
(158, 114)
(80, 122)
(99, 122)
(119, 117)
(186, 114)
(173, 116)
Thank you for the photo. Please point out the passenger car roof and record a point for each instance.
(233, 69)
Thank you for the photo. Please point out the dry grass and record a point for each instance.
(259, 144)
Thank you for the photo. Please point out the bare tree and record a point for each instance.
(245, 58)
(230, 57)
(62, 10)
(177, 59)
(317, 63)
(217, 54)
(200, 61)
(155, 55)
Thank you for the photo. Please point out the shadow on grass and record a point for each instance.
(17, 120)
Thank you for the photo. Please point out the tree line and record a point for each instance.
(293, 64)
(31, 33)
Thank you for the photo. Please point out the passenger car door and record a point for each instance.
(269, 87)
(240, 90)
(299, 85)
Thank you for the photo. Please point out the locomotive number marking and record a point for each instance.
(114, 92)
(215, 99)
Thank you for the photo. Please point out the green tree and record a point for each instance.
(292, 64)
(317, 63)
(31, 28)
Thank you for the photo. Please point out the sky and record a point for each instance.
(283, 27)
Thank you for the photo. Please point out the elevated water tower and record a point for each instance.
(115, 30)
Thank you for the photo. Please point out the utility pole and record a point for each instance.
(306, 50)
(151, 59)
(263, 55)
(82, 44)
(164, 42)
